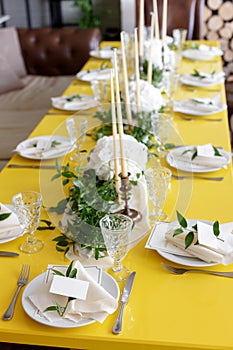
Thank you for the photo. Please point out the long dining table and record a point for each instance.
(165, 311)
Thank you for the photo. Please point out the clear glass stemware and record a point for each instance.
(115, 229)
(27, 206)
(77, 128)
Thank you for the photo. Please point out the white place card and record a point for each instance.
(206, 235)
(69, 287)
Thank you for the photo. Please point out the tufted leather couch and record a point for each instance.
(186, 14)
(57, 51)
(52, 57)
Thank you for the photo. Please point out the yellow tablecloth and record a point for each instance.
(165, 311)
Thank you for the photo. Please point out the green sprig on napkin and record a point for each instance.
(189, 238)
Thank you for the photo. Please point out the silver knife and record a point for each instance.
(117, 327)
(32, 166)
(4, 253)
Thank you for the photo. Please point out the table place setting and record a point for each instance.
(199, 158)
(199, 106)
(105, 53)
(54, 299)
(94, 74)
(202, 52)
(73, 102)
(10, 227)
(193, 242)
(44, 147)
(202, 79)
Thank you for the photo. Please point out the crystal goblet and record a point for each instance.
(115, 229)
(27, 206)
(161, 124)
(158, 180)
(77, 128)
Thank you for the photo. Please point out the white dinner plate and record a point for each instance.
(156, 241)
(107, 282)
(201, 55)
(189, 166)
(94, 74)
(25, 145)
(188, 80)
(179, 107)
(11, 235)
(81, 103)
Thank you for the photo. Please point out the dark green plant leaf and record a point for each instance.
(216, 229)
(182, 221)
(216, 152)
(57, 272)
(189, 239)
(4, 216)
(177, 231)
(69, 269)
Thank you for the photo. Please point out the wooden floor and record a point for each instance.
(11, 346)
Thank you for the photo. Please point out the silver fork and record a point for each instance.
(22, 280)
(181, 271)
(182, 177)
(201, 118)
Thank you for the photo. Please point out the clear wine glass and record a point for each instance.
(161, 125)
(100, 91)
(170, 84)
(77, 128)
(115, 229)
(27, 206)
(158, 181)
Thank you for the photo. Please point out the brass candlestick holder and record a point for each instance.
(125, 189)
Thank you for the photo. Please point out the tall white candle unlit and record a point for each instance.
(114, 133)
(137, 73)
(141, 28)
(125, 73)
(164, 22)
(155, 10)
(124, 171)
(149, 69)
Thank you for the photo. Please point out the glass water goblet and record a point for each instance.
(100, 91)
(158, 181)
(161, 125)
(116, 229)
(170, 84)
(77, 128)
(27, 206)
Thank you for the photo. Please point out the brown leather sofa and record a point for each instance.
(187, 14)
(52, 57)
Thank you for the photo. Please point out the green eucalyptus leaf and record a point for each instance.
(182, 221)
(4, 216)
(216, 152)
(189, 239)
(57, 272)
(177, 231)
(216, 229)
(69, 269)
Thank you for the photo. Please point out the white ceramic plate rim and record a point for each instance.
(189, 167)
(185, 110)
(102, 53)
(185, 80)
(21, 146)
(82, 97)
(107, 282)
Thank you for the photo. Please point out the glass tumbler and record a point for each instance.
(27, 206)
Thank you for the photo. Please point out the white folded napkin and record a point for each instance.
(209, 248)
(199, 104)
(10, 225)
(44, 148)
(76, 103)
(205, 246)
(205, 156)
(101, 74)
(97, 306)
(205, 78)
